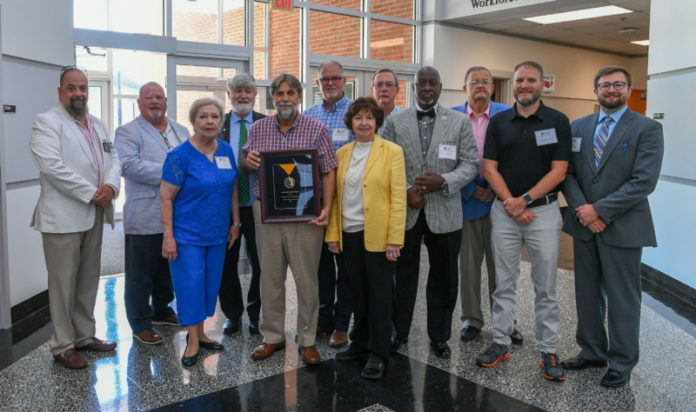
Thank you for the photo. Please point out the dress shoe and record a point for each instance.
(338, 339)
(516, 337)
(170, 320)
(266, 349)
(310, 356)
(469, 333)
(148, 337)
(231, 326)
(189, 360)
(98, 345)
(350, 353)
(397, 342)
(441, 349)
(212, 345)
(550, 368)
(71, 359)
(615, 379)
(321, 330)
(579, 362)
(254, 327)
(374, 368)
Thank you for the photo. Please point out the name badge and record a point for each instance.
(577, 143)
(108, 146)
(546, 136)
(340, 135)
(223, 162)
(447, 151)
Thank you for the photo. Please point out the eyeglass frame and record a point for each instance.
(618, 86)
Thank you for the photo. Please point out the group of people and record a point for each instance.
(480, 180)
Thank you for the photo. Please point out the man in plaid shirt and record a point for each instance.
(297, 244)
(334, 284)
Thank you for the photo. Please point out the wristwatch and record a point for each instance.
(238, 224)
(527, 198)
(444, 187)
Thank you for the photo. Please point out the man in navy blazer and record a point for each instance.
(616, 161)
(241, 90)
(142, 146)
(477, 198)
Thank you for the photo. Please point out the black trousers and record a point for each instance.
(231, 301)
(371, 276)
(334, 291)
(443, 280)
(147, 276)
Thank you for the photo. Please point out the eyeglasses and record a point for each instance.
(481, 82)
(327, 80)
(388, 85)
(617, 86)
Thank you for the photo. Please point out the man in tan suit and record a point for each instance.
(79, 175)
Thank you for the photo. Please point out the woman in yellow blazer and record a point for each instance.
(367, 222)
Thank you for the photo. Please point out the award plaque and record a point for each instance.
(289, 185)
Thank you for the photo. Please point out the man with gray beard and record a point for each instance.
(297, 244)
(79, 173)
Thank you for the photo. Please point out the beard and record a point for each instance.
(530, 101)
(242, 108)
(287, 112)
(620, 101)
(77, 111)
(156, 115)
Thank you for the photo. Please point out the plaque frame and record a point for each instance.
(269, 212)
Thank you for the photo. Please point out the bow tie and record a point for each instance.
(421, 114)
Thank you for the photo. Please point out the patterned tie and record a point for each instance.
(601, 139)
(243, 179)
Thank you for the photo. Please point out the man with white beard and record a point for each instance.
(142, 146)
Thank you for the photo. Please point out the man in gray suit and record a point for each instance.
(142, 146)
(441, 158)
(616, 162)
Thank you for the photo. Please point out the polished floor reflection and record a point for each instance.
(138, 377)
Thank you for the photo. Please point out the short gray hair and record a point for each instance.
(477, 69)
(241, 80)
(146, 85)
(330, 63)
(204, 101)
(290, 79)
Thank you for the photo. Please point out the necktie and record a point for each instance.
(243, 179)
(601, 139)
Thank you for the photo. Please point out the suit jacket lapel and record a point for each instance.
(588, 141)
(438, 132)
(375, 155)
(153, 133)
(77, 133)
(616, 137)
(343, 168)
(414, 139)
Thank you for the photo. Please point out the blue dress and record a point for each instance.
(201, 222)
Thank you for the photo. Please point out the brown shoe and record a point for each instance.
(338, 339)
(266, 349)
(71, 359)
(310, 356)
(170, 320)
(99, 345)
(148, 337)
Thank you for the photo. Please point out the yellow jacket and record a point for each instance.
(384, 196)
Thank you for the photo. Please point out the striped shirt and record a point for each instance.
(305, 133)
(94, 146)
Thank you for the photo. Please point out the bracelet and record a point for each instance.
(239, 224)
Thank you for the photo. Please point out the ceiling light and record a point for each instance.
(641, 42)
(578, 15)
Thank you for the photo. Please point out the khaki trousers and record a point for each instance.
(73, 261)
(476, 242)
(280, 245)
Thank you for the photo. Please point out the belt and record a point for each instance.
(550, 198)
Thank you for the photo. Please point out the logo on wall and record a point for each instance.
(549, 83)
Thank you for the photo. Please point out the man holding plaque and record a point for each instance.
(441, 158)
(241, 90)
(334, 314)
(294, 243)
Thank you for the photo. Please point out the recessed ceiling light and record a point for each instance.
(578, 15)
(641, 42)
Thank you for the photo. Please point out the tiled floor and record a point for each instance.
(138, 377)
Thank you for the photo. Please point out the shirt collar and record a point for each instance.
(235, 118)
(421, 110)
(294, 123)
(470, 111)
(538, 114)
(616, 116)
(343, 102)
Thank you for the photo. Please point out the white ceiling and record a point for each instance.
(598, 34)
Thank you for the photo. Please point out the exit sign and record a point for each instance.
(282, 4)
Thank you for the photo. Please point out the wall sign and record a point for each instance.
(549, 83)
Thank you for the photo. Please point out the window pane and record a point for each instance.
(95, 102)
(349, 89)
(391, 41)
(90, 14)
(334, 34)
(233, 20)
(260, 50)
(92, 59)
(394, 8)
(132, 69)
(402, 98)
(137, 16)
(284, 33)
(197, 71)
(195, 21)
(344, 4)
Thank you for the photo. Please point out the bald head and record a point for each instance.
(427, 86)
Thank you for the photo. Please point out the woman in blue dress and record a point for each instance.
(198, 193)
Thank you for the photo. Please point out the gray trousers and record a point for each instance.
(543, 240)
(73, 261)
(476, 242)
(280, 245)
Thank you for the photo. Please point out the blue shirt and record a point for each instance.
(235, 125)
(203, 205)
(616, 116)
(333, 120)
